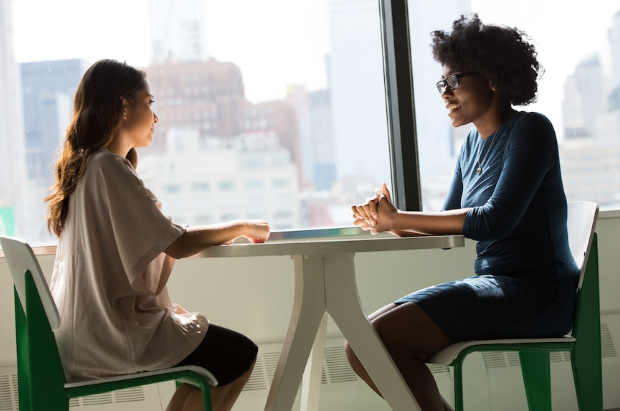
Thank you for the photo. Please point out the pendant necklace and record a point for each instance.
(481, 161)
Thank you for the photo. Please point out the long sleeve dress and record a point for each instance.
(526, 278)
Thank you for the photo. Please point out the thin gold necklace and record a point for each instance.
(480, 162)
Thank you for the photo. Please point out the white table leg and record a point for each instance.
(311, 387)
(344, 306)
(308, 312)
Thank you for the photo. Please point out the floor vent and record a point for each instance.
(337, 365)
(128, 395)
(607, 343)
(336, 369)
(7, 400)
(9, 397)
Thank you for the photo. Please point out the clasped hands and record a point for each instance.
(376, 213)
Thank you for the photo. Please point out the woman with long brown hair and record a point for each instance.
(116, 250)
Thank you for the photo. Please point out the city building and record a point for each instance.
(208, 181)
(207, 96)
(178, 33)
(48, 88)
(585, 96)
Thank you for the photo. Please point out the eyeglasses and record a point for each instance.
(451, 82)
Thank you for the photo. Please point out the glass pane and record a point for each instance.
(272, 110)
(579, 91)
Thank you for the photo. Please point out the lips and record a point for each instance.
(452, 107)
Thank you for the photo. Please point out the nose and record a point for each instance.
(155, 118)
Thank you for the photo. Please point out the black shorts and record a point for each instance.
(225, 353)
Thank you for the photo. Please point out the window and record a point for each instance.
(578, 44)
(287, 95)
(314, 94)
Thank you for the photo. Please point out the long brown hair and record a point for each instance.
(97, 114)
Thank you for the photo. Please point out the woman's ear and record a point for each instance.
(492, 86)
(125, 107)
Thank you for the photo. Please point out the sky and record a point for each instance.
(571, 31)
(259, 36)
(280, 42)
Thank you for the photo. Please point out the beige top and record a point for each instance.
(109, 278)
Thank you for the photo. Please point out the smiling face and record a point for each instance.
(139, 119)
(471, 102)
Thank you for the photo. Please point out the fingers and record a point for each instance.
(366, 215)
(366, 211)
(364, 226)
(386, 192)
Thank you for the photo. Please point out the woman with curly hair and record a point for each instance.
(506, 193)
(116, 250)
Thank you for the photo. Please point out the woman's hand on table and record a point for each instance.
(376, 213)
(257, 231)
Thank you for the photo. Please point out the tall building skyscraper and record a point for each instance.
(584, 98)
(357, 89)
(12, 168)
(324, 163)
(614, 46)
(48, 88)
(178, 30)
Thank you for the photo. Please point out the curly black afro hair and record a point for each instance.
(501, 54)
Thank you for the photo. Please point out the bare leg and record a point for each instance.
(223, 397)
(180, 397)
(411, 337)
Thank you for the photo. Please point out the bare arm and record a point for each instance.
(196, 239)
(420, 223)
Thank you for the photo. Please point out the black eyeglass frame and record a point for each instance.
(443, 85)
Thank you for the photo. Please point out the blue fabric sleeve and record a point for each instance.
(530, 154)
(453, 199)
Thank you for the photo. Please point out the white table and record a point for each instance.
(325, 283)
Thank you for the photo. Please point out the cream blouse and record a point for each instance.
(109, 278)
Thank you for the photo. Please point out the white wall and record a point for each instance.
(255, 295)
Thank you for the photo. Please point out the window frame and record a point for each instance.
(400, 105)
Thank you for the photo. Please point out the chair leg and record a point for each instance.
(458, 384)
(536, 370)
(588, 377)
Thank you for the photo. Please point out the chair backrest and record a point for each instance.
(20, 259)
(584, 246)
(581, 222)
(40, 375)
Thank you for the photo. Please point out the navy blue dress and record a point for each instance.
(526, 278)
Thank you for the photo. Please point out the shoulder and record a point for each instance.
(533, 125)
(104, 163)
(532, 119)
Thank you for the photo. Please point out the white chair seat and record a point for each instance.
(210, 377)
(449, 354)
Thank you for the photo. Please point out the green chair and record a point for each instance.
(584, 342)
(40, 375)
